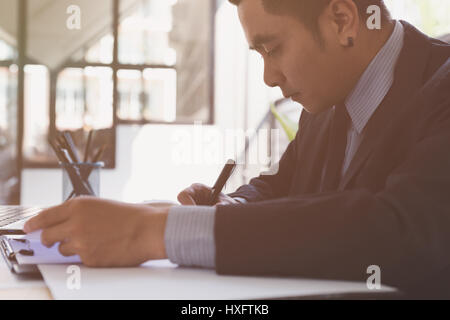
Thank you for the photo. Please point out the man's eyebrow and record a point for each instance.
(260, 39)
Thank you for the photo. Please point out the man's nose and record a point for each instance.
(272, 76)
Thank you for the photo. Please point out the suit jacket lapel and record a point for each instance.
(312, 155)
(408, 79)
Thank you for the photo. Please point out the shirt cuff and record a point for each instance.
(189, 236)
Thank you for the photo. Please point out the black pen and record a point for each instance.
(222, 179)
(83, 187)
(86, 175)
(73, 172)
(88, 146)
(67, 137)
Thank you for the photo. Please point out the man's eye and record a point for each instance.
(272, 52)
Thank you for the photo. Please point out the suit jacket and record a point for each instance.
(391, 209)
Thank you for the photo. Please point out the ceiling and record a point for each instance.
(50, 42)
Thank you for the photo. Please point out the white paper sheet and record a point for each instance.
(41, 254)
(163, 280)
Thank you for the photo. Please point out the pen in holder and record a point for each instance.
(81, 179)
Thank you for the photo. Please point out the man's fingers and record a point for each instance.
(66, 249)
(47, 218)
(196, 194)
(59, 233)
(186, 199)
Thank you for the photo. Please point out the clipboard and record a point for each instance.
(9, 255)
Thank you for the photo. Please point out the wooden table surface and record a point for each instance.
(16, 288)
(32, 293)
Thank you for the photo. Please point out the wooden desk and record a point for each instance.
(21, 289)
(33, 293)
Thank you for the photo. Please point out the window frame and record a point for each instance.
(115, 65)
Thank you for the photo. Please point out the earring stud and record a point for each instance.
(351, 43)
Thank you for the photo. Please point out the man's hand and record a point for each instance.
(103, 233)
(199, 194)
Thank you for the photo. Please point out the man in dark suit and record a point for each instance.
(365, 182)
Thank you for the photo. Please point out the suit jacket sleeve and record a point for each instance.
(404, 229)
(276, 182)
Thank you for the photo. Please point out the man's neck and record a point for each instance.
(375, 40)
(372, 42)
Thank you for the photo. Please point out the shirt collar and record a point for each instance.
(375, 82)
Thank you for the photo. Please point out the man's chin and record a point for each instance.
(314, 108)
(310, 105)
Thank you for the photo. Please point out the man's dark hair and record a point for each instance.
(308, 11)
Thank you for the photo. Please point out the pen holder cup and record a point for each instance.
(81, 179)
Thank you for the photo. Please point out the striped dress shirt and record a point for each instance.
(189, 234)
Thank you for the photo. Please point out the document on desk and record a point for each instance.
(162, 280)
(34, 252)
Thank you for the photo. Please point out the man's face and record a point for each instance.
(294, 60)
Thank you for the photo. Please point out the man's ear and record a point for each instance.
(344, 19)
